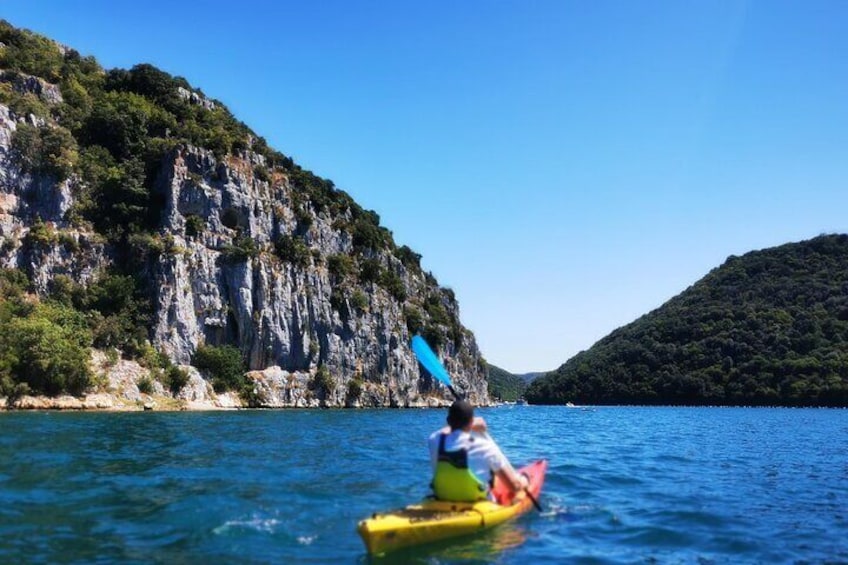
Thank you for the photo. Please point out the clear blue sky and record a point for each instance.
(564, 166)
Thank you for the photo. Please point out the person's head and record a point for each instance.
(460, 415)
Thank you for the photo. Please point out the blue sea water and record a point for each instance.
(625, 485)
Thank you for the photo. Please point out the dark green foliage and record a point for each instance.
(224, 364)
(152, 83)
(45, 348)
(23, 104)
(393, 284)
(293, 249)
(242, 249)
(29, 53)
(45, 150)
(770, 327)
(176, 378)
(117, 202)
(123, 123)
(358, 300)
(436, 310)
(341, 266)
(408, 257)
(370, 270)
(367, 233)
(114, 129)
(434, 336)
(194, 225)
(63, 289)
(40, 235)
(414, 319)
(13, 283)
(504, 385)
(68, 241)
(303, 217)
(338, 301)
(456, 332)
(322, 382)
(261, 173)
(354, 390)
(145, 385)
(322, 194)
(118, 310)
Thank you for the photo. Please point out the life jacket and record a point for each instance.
(453, 480)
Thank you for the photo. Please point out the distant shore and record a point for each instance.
(105, 402)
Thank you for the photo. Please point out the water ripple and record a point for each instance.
(625, 485)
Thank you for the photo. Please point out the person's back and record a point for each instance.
(465, 459)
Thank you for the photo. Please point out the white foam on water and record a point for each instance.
(267, 525)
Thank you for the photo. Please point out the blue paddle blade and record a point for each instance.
(427, 358)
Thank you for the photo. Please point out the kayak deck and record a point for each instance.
(432, 520)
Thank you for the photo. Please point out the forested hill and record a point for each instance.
(767, 328)
(504, 385)
(141, 219)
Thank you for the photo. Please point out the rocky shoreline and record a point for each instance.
(118, 390)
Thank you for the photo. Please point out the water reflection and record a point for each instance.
(490, 546)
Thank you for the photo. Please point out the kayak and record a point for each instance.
(432, 520)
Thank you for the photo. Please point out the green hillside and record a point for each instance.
(767, 328)
(505, 386)
(109, 132)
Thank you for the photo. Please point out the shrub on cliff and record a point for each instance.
(118, 312)
(408, 257)
(224, 364)
(13, 283)
(242, 249)
(322, 382)
(45, 150)
(175, 378)
(340, 265)
(194, 225)
(390, 281)
(293, 249)
(30, 53)
(46, 349)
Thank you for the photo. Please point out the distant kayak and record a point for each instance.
(433, 520)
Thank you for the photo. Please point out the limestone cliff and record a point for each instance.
(240, 252)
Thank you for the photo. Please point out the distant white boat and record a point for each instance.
(584, 408)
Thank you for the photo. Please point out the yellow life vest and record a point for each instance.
(453, 480)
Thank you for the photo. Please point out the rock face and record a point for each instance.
(289, 319)
(280, 314)
(27, 200)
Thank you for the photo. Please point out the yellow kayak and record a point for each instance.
(433, 520)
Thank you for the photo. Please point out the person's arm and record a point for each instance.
(515, 481)
(503, 468)
(479, 425)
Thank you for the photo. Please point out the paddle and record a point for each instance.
(430, 362)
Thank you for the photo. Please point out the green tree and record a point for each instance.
(762, 329)
(47, 350)
(293, 249)
(224, 364)
(46, 150)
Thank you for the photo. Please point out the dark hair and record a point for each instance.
(460, 414)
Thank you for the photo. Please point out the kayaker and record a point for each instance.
(465, 464)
